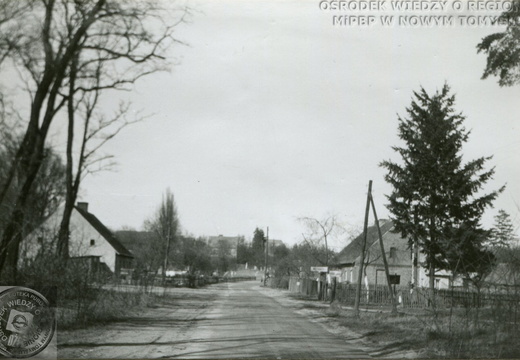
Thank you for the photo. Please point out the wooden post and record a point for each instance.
(383, 255)
(333, 290)
(266, 255)
(363, 246)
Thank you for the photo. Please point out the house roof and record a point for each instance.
(103, 230)
(352, 251)
(135, 241)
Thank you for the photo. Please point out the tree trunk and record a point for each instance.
(64, 232)
(10, 242)
(10, 248)
(71, 184)
(167, 253)
(432, 265)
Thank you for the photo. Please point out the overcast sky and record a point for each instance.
(274, 112)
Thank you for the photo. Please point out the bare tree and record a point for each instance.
(165, 223)
(57, 38)
(11, 16)
(320, 231)
(96, 129)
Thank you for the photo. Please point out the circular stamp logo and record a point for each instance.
(27, 322)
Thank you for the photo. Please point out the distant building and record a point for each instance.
(224, 245)
(90, 242)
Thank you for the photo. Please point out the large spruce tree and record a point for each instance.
(436, 199)
(503, 48)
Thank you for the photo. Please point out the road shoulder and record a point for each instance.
(329, 316)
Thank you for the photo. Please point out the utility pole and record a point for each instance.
(383, 255)
(266, 255)
(362, 260)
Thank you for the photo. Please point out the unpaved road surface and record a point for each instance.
(230, 320)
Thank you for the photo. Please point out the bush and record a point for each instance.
(279, 282)
(84, 294)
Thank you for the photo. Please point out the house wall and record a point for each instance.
(396, 251)
(442, 279)
(399, 259)
(376, 275)
(81, 235)
(43, 239)
(346, 275)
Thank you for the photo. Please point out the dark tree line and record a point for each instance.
(253, 253)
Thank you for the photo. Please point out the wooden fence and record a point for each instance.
(408, 298)
(303, 286)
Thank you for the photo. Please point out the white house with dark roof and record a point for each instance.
(90, 239)
(404, 264)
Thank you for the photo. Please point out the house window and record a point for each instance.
(393, 252)
(92, 242)
(395, 279)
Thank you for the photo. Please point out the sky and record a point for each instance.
(273, 112)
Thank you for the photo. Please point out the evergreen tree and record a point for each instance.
(258, 239)
(467, 253)
(503, 49)
(435, 200)
(258, 247)
(503, 230)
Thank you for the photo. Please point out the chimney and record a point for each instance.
(83, 206)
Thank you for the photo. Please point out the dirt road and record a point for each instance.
(230, 320)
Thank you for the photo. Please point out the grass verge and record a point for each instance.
(455, 334)
(101, 306)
